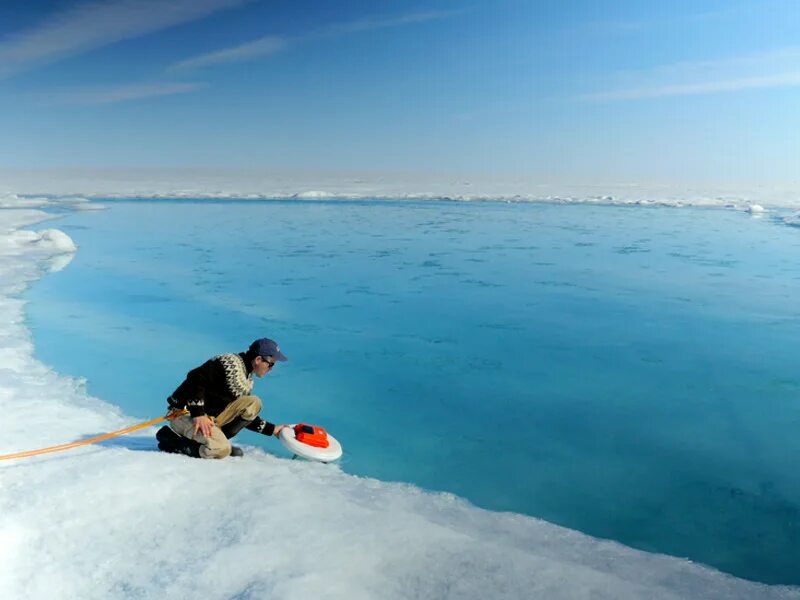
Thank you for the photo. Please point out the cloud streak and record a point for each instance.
(92, 25)
(791, 79)
(121, 93)
(372, 23)
(261, 47)
(756, 71)
(272, 44)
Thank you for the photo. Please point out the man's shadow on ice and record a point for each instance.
(139, 443)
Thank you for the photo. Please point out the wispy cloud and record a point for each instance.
(92, 25)
(780, 68)
(260, 47)
(708, 87)
(272, 44)
(642, 25)
(372, 23)
(120, 93)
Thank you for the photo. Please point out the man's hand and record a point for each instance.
(204, 425)
(278, 428)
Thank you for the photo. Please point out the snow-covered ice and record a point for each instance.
(307, 185)
(121, 520)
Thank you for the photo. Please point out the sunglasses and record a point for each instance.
(269, 363)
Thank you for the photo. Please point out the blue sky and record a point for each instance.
(566, 91)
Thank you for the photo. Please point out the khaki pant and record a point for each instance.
(217, 445)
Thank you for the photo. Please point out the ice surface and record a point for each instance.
(305, 185)
(793, 219)
(122, 521)
(35, 201)
(17, 201)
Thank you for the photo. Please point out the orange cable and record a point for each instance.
(91, 440)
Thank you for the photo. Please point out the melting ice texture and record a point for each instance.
(120, 521)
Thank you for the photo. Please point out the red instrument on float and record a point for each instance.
(311, 435)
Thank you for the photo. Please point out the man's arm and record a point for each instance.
(259, 425)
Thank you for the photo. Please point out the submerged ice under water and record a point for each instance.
(627, 372)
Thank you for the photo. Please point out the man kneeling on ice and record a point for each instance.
(218, 395)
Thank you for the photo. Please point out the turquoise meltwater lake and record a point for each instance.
(629, 372)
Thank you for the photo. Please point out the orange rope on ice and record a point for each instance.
(91, 440)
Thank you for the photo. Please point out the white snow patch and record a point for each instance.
(312, 195)
(121, 520)
(56, 240)
(91, 206)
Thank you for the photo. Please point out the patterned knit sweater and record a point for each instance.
(209, 388)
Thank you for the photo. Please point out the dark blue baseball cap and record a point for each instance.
(267, 347)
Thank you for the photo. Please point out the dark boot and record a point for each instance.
(234, 427)
(231, 429)
(169, 441)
